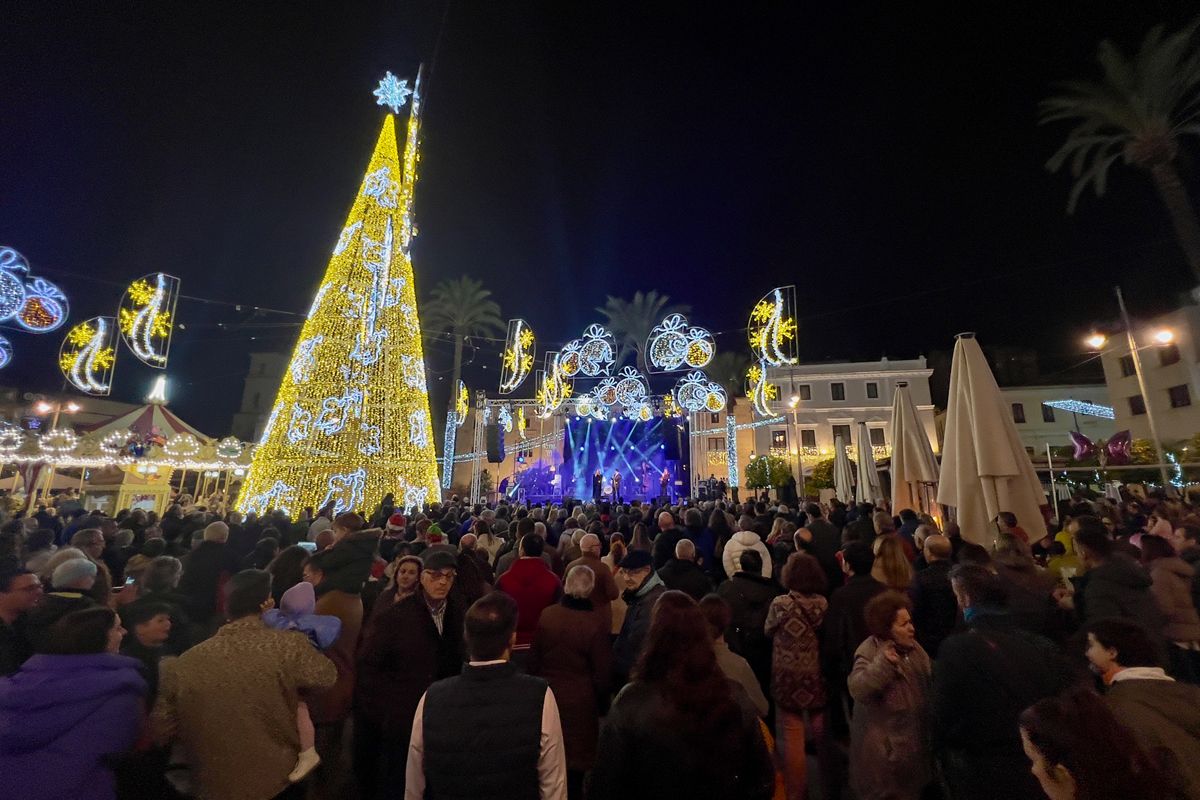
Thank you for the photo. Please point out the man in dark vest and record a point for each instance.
(502, 723)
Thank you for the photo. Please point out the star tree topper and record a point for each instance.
(392, 92)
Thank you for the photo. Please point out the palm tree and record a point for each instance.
(463, 309)
(1138, 112)
(632, 320)
(729, 370)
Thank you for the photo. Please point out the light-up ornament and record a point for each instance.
(12, 289)
(522, 423)
(44, 308)
(88, 354)
(552, 389)
(147, 317)
(305, 358)
(414, 372)
(1080, 407)
(516, 360)
(772, 328)
(182, 445)
(371, 442)
(670, 407)
(414, 496)
(674, 345)
(392, 92)
(115, 442)
(345, 491)
(591, 356)
(462, 404)
(344, 239)
(11, 440)
(6, 352)
(695, 392)
(382, 187)
(631, 388)
(336, 411)
(58, 442)
(230, 448)
(505, 419)
(759, 389)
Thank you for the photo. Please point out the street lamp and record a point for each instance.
(1161, 337)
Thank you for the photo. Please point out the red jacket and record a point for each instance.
(531, 583)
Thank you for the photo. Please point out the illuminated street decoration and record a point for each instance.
(695, 392)
(631, 388)
(12, 288)
(760, 391)
(147, 317)
(772, 328)
(462, 404)
(44, 308)
(392, 92)
(182, 445)
(505, 419)
(88, 354)
(516, 360)
(591, 356)
(58, 442)
(11, 440)
(670, 407)
(522, 423)
(1080, 407)
(552, 389)
(673, 345)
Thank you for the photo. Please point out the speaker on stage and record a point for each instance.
(495, 444)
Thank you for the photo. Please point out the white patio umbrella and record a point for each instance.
(914, 467)
(869, 488)
(843, 480)
(985, 469)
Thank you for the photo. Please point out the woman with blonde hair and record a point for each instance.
(891, 566)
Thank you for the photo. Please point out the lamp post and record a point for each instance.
(1161, 338)
(793, 404)
(42, 408)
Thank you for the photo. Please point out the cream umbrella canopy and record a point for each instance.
(843, 480)
(913, 463)
(985, 469)
(869, 488)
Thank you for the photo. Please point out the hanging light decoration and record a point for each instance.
(89, 354)
(147, 317)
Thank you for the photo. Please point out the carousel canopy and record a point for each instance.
(144, 421)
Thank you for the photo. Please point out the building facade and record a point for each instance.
(1172, 373)
(258, 394)
(1082, 408)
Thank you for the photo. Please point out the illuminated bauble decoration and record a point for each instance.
(673, 344)
(88, 355)
(6, 352)
(147, 317)
(12, 288)
(631, 388)
(44, 308)
(591, 356)
(695, 392)
(606, 392)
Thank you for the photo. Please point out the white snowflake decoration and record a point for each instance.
(392, 92)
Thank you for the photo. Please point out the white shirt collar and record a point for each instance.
(1142, 674)
(488, 663)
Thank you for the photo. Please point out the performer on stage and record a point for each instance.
(664, 481)
(644, 483)
(597, 485)
(616, 486)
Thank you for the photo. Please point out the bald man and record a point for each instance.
(669, 535)
(935, 609)
(605, 590)
(683, 573)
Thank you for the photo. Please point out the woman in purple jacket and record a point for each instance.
(69, 711)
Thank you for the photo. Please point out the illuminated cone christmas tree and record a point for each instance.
(351, 420)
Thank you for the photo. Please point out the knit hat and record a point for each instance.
(216, 532)
(397, 522)
(71, 571)
(636, 559)
(438, 559)
(434, 535)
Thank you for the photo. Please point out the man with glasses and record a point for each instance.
(20, 591)
(406, 648)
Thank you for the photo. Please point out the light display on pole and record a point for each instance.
(88, 355)
(1080, 407)
(35, 304)
(147, 317)
(552, 388)
(772, 327)
(516, 361)
(592, 356)
(760, 391)
(673, 344)
(351, 420)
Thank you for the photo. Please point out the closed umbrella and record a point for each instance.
(843, 481)
(914, 467)
(869, 488)
(985, 469)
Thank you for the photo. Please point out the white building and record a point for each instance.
(831, 399)
(1047, 414)
(1172, 374)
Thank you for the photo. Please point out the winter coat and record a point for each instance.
(1120, 587)
(1172, 591)
(706, 546)
(575, 658)
(664, 546)
(1162, 714)
(534, 588)
(935, 609)
(890, 756)
(745, 540)
(794, 622)
(749, 597)
(61, 718)
(603, 593)
(204, 570)
(826, 541)
(845, 628)
(628, 645)
(687, 577)
(1029, 590)
(1192, 556)
(644, 755)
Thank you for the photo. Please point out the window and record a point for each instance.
(837, 391)
(872, 390)
(716, 443)
(1127, 368)
(844, 432)
(1168, 354)
(1180, 396)
(805, 391)
(779, 439)
(1137, 405)
(714, 417)
(1018, 412)
(1047, 413)
(808, 437)
(877, 439)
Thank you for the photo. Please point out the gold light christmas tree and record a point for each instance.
(351, 420)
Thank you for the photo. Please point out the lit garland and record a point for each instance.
(760, 391)
(88, 355)
(1080, 407)
(58, 442)
(147, 317)
(516, 361)
(673, 345)
(772, 327)
(182, 445)
(358, 367)
(449, 445)
(1176, 471)
(11, 440)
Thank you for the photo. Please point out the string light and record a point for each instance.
(182, 445)
(591, 356)
(146, 317)
(516, 360)
(772, 327)
(371, 433)
(673, 345)
(760, 391)
(58, 442)
(1081, 407)
(462, 404)
(88, 355)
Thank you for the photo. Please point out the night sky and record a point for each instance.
(885, 158)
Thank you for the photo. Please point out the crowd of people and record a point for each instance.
(594, 650)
